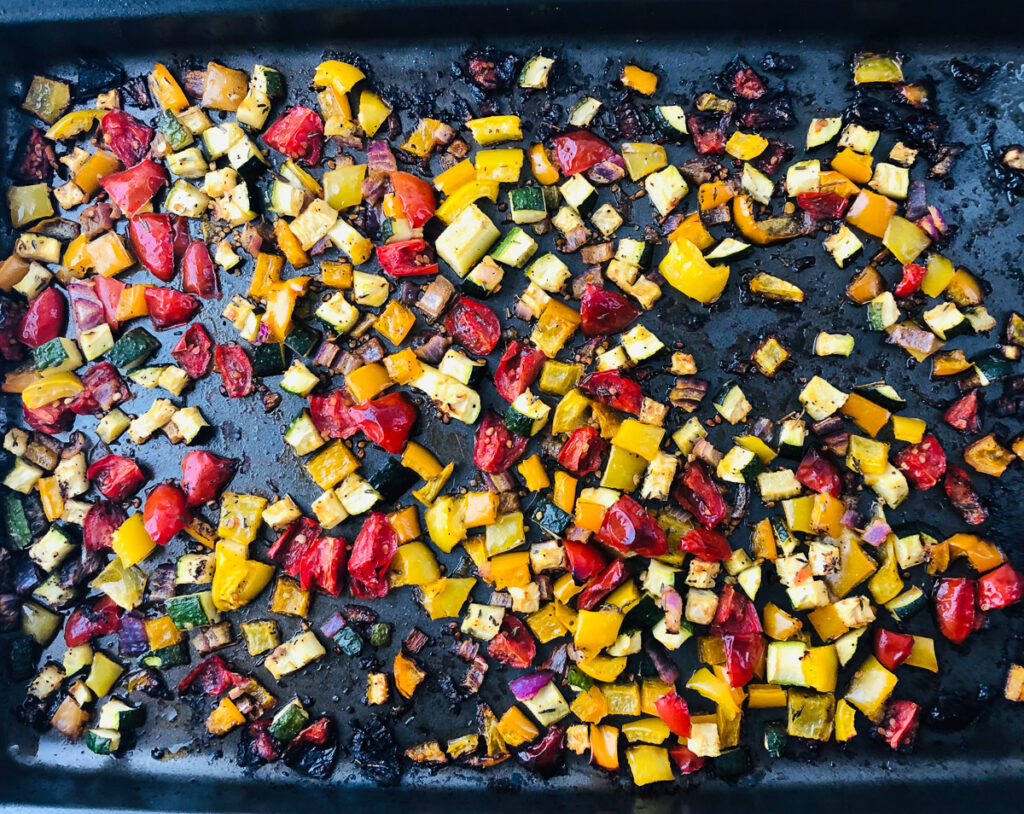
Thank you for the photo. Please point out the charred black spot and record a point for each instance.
(739, 79)
(971, 77)
(375, 752)
(769, 112)
(97, 75)
(489, 69)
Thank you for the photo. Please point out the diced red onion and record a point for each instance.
(934, 224)
(667, 671)
(131, 638)
(608, 171)
(333, 626)
(876, 532)
(380, 157)
(86, 308)
(672, 602)
(500, 482)
(526, 687)
(326, 353)
(851, 519)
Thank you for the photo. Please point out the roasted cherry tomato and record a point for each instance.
(386, 420)
(166, 513)
(473, 325)
(495, 447)
(181, 239)
(892, 648)
(116, 477)
(964, 497)
(292, 543)
(371, 555)
(125, 136)
(923, 463)
(706, 545)
(169, 308)
(963, 413)
(518, 368)
(51, 419)
(407, 258)
(954, 607)
(675, 713)
(819, 474)
(899, 724)
(582, 452)
(735, 614)
(46, 318)
(153, 242)
(744, 653)
(133, 188)
(514, 645)
(417, 197)
(204, 476)
(101, 521)
(109, 290)
(700, 495)
(913, 276)
(194, 351)
(198, 273)
(627, 527)
(999, 588)
(599, 586)
(822, 205)
(298, 134)
(585, 561)
(613, 390)
(103, 388)
(100, 618)
(235, 369)
(578, 151)
(322, 565)
(605, 312)
(332, 415)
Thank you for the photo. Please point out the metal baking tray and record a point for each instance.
(410, 46)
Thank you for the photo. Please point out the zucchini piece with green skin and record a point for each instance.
(549, 272)
(192, 610)
(883, 395)
(302, 435)
(671, 120)
(53, 593)
(269, 81)
(459, 366)
(268, 359)
(186, 200)
(466, 240)
(527, 205)
(946, 321)
(883, 311)
(731, 403)
(299, 379)
(483, 279)
(337, 313)
(348, 641)
(173, 655)
(786, 541)
(792, 439)
(907, 604)
(775, 738)
(992, 366)
(395, 230)
(246, 158)
(177, 135)
(194, 569)
(527, 415)
(302, 339)
(59, 355)
(132, 350)
(550, 517)
(380, 634)
(120, 716)
(16, 524)
(283, 198)
(579, 194)
(392, 480)
(739, 465)
(515, 249)
(289, 721)
(217, 140)
(582, 113)
(50, 550)
(635, 252)
(103, 741)
(534, 74)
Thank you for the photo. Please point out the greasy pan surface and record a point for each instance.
(951, 767)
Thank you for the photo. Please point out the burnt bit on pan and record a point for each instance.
(971, 77)
(488, 69)
(375, 751)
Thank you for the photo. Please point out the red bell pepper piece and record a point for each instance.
(180, 235)
(706, 545)
(166, 513)
(743, 654)
(913, 276)
(627, 527)
(675, 713)
(103, 388)
(198, 273)
(371, 555)
(899, 724)
(204, 476)
(518, 368)
(923, 463)
(298, 134)
(212, 676)
(700, 495)
(822, 205)
(735, 614)
(585, 560)
(100, 618)
(407, 258)
(686, 761)
(416, 195)
(322, 565)
(613, 390)
(954, 607)
(194, 351)
(235, 369)
(116, 477)
(473, 325)
(599, 586)
(332, 415)
(892, 648)
(108, 290)
(819, 474)
(963, 413)
(513, 646)
(582, 452)
(999, 588)
(605, 312)
(46, 318)
(126, 136)
(101, 521)
(133, 188)
(495, 447)
(578, 151)
(964, 497)
(386, 420)
(169, 308)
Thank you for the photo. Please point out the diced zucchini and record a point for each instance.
(527, 205)
(549, 273)
(826, 344)
(299, 379)
(112, 426)
(527, 415)
(515, 249)
(778, 485)
(883, 312)
(671, 120)
(302, 435)
(357, 494)
(142, 428)
(459, 366)
(190, 163)
(731, 403)
(535, 72)
(482, 621)
(119, 716)
(23, 476)
(50, 550)
(294, 654)
(59, 355)
(821, 399)
(284, 198)
(822, 131)
(96, 341)
(268, 80)
(466, 239)
(194, 569)
(484, 278)
(639, 343)
(946, 321)
(289, 721)
(607, 219)
(666, 188)
(369, 289)
(843, 244)
(192, 610)
(582, 113)
(133, 349)
(103, 741)
(184, 425)
(739, 465)
(338, 313)
(186, 200)
(579, 194)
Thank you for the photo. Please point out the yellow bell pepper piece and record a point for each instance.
(406, 523)
(368, 381)
(938, 276)
(503, 166)
(420, 460)
(639, 438)
(714, 689)
(288, 243)
(407, 674)
(846, 723)
(465, 195)
(107, 255)
(76, 255)
(692, 229)
(602, 668)
(395, 322)
(99, 164)
(47, 390)
(495, 129)
(565, 588)
(166, 89)
(534, 476)
(332, 465)
(240, 516)
(564, 493)
(162, 632)
(643, 159)
(516, 728)
(445, 597)
(649, 764)
(981, 554)
(766, 696)
(827, 514)
(224, 88)
(646, 730)
(798, 511)
(855, 566)
(886, 583)
(373, 112)
(604, 746)
(556, 324)
(340, 76)
(237, 580)
(444, 522)
(281, 299)
(73, 124)
(336, 274)
(540, 165)
(421, 143)
(480, 508)
(827, 623)
(51, 497)
(686, 270)
(644, 82)
(429, 491)
(130, 542)
(413, 564)
(590, 706)
(778, 624)
(871, 687)
(623, 699)
(905, 428)
(224, 718)
(455, 177)
(343, 186)
(265, 274)
(545, 624)
(598, 629)
(745, 220)
(510, 570)
(905, 239)
(855, 166)
(403, 366)
(745, 146)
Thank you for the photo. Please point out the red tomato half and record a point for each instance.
(194, 351)
(700, 495)
(332, 415)
(819, 474)
(416, 195)
(706, 545)
(235, 369)
(513, 646)
(518, 368)
(585, 561)
(474, 326)
(198, 273)
(126, 136)
(627, 527)
(153, 242)
(495, 447)
(386, 420)
(46, 318)
(88, 622)
(371, 555)
(923, 463)
(613, 390)
(322, 565)
(675, 713)
(605, 312)
(116, 477)
(578, 151)
(169, 308)
(954, 607)
(407, 258)
(891, 648)
(166, 513)
(298, 134)
(101, 521)
(582, 452)
(204, 476)
(133, 188)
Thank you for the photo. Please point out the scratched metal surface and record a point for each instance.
(987, 757)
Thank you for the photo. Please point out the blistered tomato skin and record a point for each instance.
(204, 476)
(1000, 588)
(169, 308)
(700, 495)
(518, 369)
(298, 134)
(133, 188)
(954, 607)
(166, 513)
(495, 448)
(819, 474)
(578, 151)
(46, 318)
(387, 420)
(116, 477)
(198, 273)
(514, 645)
(474, 326)
(585, 561)
(194, 351)
(923, 463)
(371, 555)
(613, 390)
(235, 369)
(408, 258)
(582, 452)
(126, 137)
(605, 312)
(892, 648)
(627, 527)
